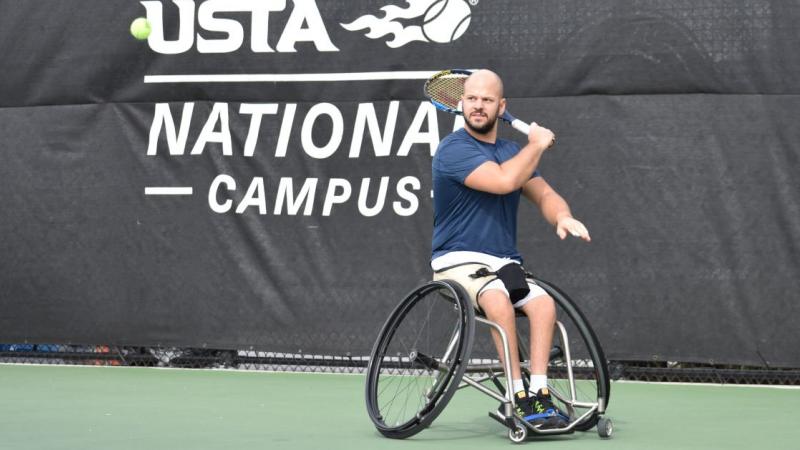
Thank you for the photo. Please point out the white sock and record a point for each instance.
(517, 386)
(538, 382)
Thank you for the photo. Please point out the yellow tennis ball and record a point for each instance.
(140, 28)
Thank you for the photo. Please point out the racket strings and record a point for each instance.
(446, 90)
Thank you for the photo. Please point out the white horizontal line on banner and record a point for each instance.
(168, 191)
(289, 77)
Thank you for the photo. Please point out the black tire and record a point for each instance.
(408, 381)
(589, 364)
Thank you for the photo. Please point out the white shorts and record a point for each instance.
(458, 266)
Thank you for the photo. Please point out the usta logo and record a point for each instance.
(437, 21)
(304, 25)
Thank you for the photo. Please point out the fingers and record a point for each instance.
(552, 140)
(541, 136)
(573, 227)
(582, 233)
(578, 230)
(533, 132)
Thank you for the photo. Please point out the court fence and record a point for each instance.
(205, 358)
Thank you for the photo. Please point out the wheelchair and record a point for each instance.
(423, 355)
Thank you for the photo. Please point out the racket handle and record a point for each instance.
(521, 126)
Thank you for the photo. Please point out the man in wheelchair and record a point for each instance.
(477, 182)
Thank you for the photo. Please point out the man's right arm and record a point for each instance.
(514, 173)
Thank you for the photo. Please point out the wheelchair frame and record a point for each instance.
(449, 369)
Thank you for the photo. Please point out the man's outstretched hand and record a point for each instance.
(572, 226)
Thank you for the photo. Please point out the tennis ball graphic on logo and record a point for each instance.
(446, 20)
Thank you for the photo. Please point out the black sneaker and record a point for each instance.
(523, 405)
(544, 413)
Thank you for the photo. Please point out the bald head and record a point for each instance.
(482, 103)
(484, 79)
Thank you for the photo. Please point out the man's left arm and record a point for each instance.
(554, 209)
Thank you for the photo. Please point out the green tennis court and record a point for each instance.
(65, 407)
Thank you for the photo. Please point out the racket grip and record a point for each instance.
(521, 126)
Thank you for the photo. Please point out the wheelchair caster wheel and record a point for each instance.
(605, 427)
(518, 434)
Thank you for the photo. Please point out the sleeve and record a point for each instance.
(457, 159)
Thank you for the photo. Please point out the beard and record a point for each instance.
(483, 129)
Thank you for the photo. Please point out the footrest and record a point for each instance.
(511, 423)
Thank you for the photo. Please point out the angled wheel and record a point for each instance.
(605, 427)
(419, 358)
(586, 361)
(519, 433)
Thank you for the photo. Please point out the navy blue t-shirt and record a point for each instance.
(466, 219)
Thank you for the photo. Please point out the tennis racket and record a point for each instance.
(445, 89)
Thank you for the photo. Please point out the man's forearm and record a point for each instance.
(512, 174)
(520, 168)
(554, 208)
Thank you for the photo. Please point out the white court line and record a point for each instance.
(289, 77)
(168, 191)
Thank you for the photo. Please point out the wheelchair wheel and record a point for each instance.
(586, 361)
(419, 358)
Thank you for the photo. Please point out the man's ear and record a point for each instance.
(502, 107)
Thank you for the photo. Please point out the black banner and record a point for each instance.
(257, 173)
